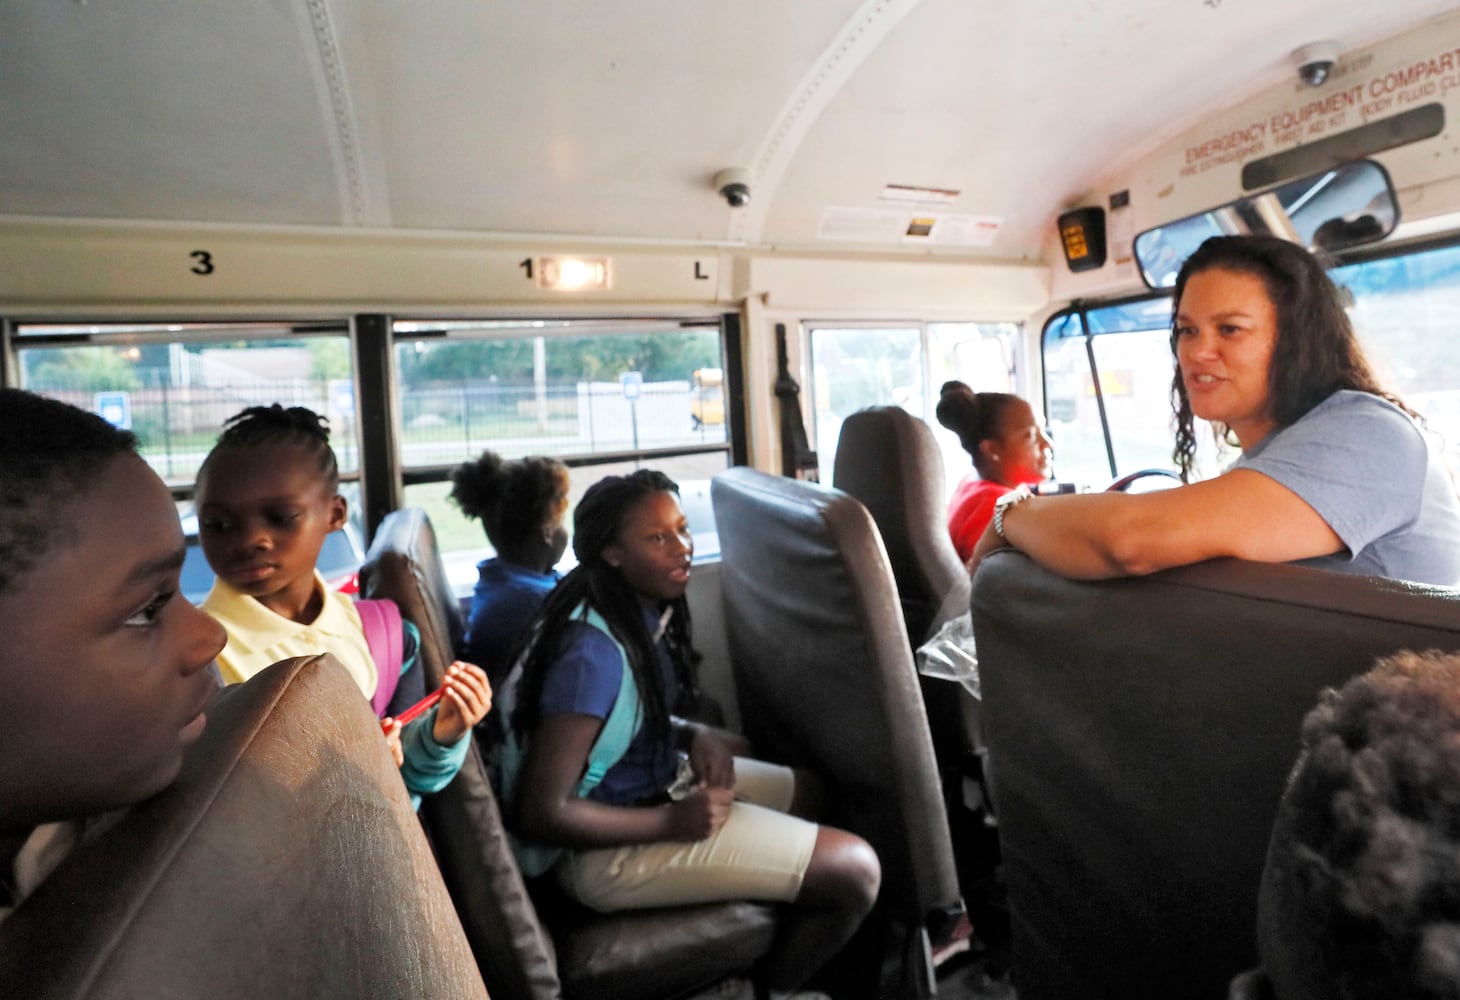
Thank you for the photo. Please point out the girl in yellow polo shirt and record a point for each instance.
(267, 495)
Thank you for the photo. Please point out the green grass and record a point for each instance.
(454, 530)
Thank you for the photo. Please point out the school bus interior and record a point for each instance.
(745, 243)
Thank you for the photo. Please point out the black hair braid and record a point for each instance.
(597, 521)
(255, 426)
(685, 657)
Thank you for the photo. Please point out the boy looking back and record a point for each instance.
(102, 668)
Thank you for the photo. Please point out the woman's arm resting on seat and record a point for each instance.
(549, 812)
(1099, 535)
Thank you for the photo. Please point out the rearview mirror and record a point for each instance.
(1347, 206)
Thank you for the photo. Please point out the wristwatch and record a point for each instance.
(1017, 495)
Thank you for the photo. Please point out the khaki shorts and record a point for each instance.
(760, 853)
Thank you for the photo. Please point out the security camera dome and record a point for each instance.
(1315, 62)
(734, 186)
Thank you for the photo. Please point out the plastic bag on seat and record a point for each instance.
(950, 654)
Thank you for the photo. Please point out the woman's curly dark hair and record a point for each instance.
(50, 452)
(276, 424)
(1361, 897)
(597, 521)
(1316, 353)
(512, 499)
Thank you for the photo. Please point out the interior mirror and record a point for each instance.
(1346, 206)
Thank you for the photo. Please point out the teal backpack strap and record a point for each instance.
(623, 721)
(613, 742)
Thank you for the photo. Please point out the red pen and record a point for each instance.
(424, 705)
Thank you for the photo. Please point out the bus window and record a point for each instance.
(173, 385)
(707, 403)
(859, 366)
(606, 398)
(855, 367)
(1406, 310)
(1128, 350)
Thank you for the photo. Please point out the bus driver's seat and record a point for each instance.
(888, 459)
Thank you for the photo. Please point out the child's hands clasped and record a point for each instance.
(700, 814)
(712, 759)
(465, 701)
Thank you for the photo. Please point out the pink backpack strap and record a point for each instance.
(385, 636)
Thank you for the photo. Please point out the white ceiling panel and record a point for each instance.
(163, 110)
(564, 117)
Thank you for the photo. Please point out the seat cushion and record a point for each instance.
(660, 953)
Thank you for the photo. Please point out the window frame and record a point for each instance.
(1017, 361)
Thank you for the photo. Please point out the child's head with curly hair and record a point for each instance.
(1361, 895)
(520, 502)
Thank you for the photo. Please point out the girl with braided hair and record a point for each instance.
(596, 790)
(267, 495)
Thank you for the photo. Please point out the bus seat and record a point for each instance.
(564, 949)
(888, 459)
(404, 555)
(285, 861)
(1142, 731)
(825, 676)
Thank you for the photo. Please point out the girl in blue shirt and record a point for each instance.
(626, 804)
(521, 505)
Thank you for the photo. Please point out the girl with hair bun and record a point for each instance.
(626, 805)
(267, 495)
(521, 505)
(1008, 446)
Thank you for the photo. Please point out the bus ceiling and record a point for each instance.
(894, 127)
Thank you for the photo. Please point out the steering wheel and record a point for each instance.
(1123, 484)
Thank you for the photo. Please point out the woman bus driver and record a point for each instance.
(1333, 473)
(1008, 447)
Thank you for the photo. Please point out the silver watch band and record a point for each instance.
(1014, 497)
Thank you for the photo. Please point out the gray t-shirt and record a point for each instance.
(1365, 467)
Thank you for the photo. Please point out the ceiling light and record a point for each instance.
(575, 274)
